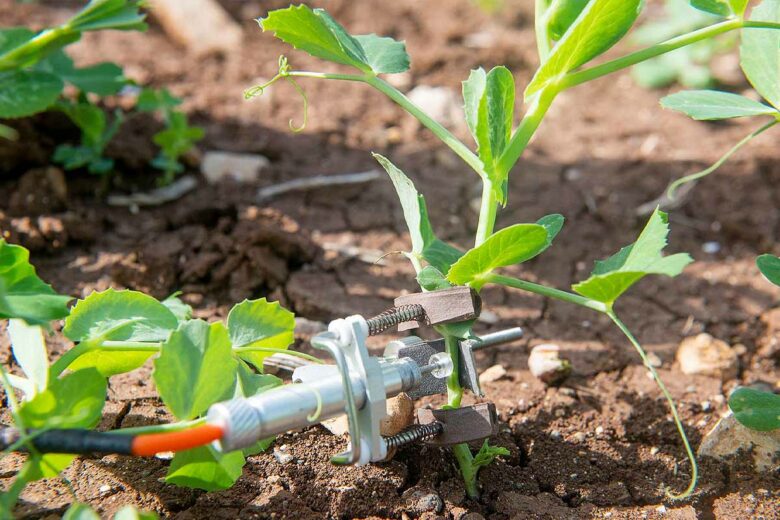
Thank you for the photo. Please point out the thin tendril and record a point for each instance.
(305, 106)
(672, 406)
(671, 191)
(318, 411)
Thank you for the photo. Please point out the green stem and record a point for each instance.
(547, 291)
(454, 390)
(540, 103)
(672, 407)
(159, 428)
(434, 126)
(272, 350)
(488, 211)
(540, 28)
(673, 187)
(466, 464)
(17, 56)
(67, 359)
(576, 78)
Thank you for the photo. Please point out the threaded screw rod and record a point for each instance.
(416, 433)
(392, 317)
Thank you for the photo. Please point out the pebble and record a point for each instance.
(492, 374)
(705, 355)
(711, 247)
(423, 500)
(400, 414)
(104, 489)
(489, 317)
(281, 455)
(218, 166)
(441, 103)
(654, 450)
(555, 434)
(661, 509)
(579, 437)
(706, 406)
(545, 363)
(654, 360)
(728, 436)
(599, 430)
(306, 327)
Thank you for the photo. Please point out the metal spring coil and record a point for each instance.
(416, 433)
(391, 317)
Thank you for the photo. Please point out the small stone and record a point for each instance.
(654, 450)
(654, 360)
(422, 500)
(728, 436)
(492, 374)
(105, 489)
(555, 434)
(400, 415)
(705, 355)
(579, 437)
(306, 327)
(740, 349)
(706, 406)
(281, 455)
(441, 103)
(711, 247)
(203, 26)
(489, 317)
(661, 510)
(599, 430)
(545, 363)
(241, 167)
(273, 479)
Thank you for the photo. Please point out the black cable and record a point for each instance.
(76, 441)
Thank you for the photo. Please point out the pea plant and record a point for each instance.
(196, 364)
(35, 69)
(569, 35)
(756, 409)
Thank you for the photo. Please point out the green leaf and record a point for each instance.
(431, 279)
(260, 323)
(615, 275)
(22, 294)
(151, 99)
(487, 454)
(205, 468)
(114, 315)
(717, 7)
(711, 104)
(489, 101)
(48, 466)
(755, 409)
(29, 349)
(74, 401)
(131, 513)
(760, 53)
(738, 7)
(79, 511)
(553, 224)
(195, 369)
(13, 37)
(181, 310)
(562, 15)
(248, 383)
(27, 52)
(425, 245)
(769, 265)
(103, 79)
(509, 246)
(90, 119)
(316, 32)
(24, 93)
(600, 25)
(384, 55)
(121, 15)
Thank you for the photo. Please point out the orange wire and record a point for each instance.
(153, 443)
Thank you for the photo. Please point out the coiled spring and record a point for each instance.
(416, 433)
(391, 317)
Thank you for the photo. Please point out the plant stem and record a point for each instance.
(157, 428)
(540, 28)
(550, 292)
(454, 390)
(576, 78)
(488, 211)
(15, 57)
(672, 407)
(465, 463)
(301, 355)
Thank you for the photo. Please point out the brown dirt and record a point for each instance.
(601, 446)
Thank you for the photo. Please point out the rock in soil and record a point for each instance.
(40, 191)
(705, 355)
(202, 26)
(492, 374)
(422, 500)
(400, 415)
(241, 167)
(729, 436)
(546, 364)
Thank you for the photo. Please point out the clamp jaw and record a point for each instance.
(359, 384)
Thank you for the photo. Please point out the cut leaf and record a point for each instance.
(489, 106)
(425, 245)
(600, 25)
(22, 294)
(260, 323)
(24, 93)
(756, 409)
(195, 369)
(74, 401)
(760, 53)
(117, 316)
(711, 104)
(316, 32)
(615, 275)
(205, 468)
(769, 265)
(29, 349)
(509, 246)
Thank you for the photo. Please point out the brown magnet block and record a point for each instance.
(467, 424)
(444, 306)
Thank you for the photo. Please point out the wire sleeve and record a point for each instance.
(76, 441)
(153, 443)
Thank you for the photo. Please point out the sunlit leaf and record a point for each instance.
(756, 409)
(760, 52)
(29, 348)
(769, 265)
(205, 468)
(711, 104)
(260, 323)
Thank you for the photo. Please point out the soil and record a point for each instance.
(601, 446)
